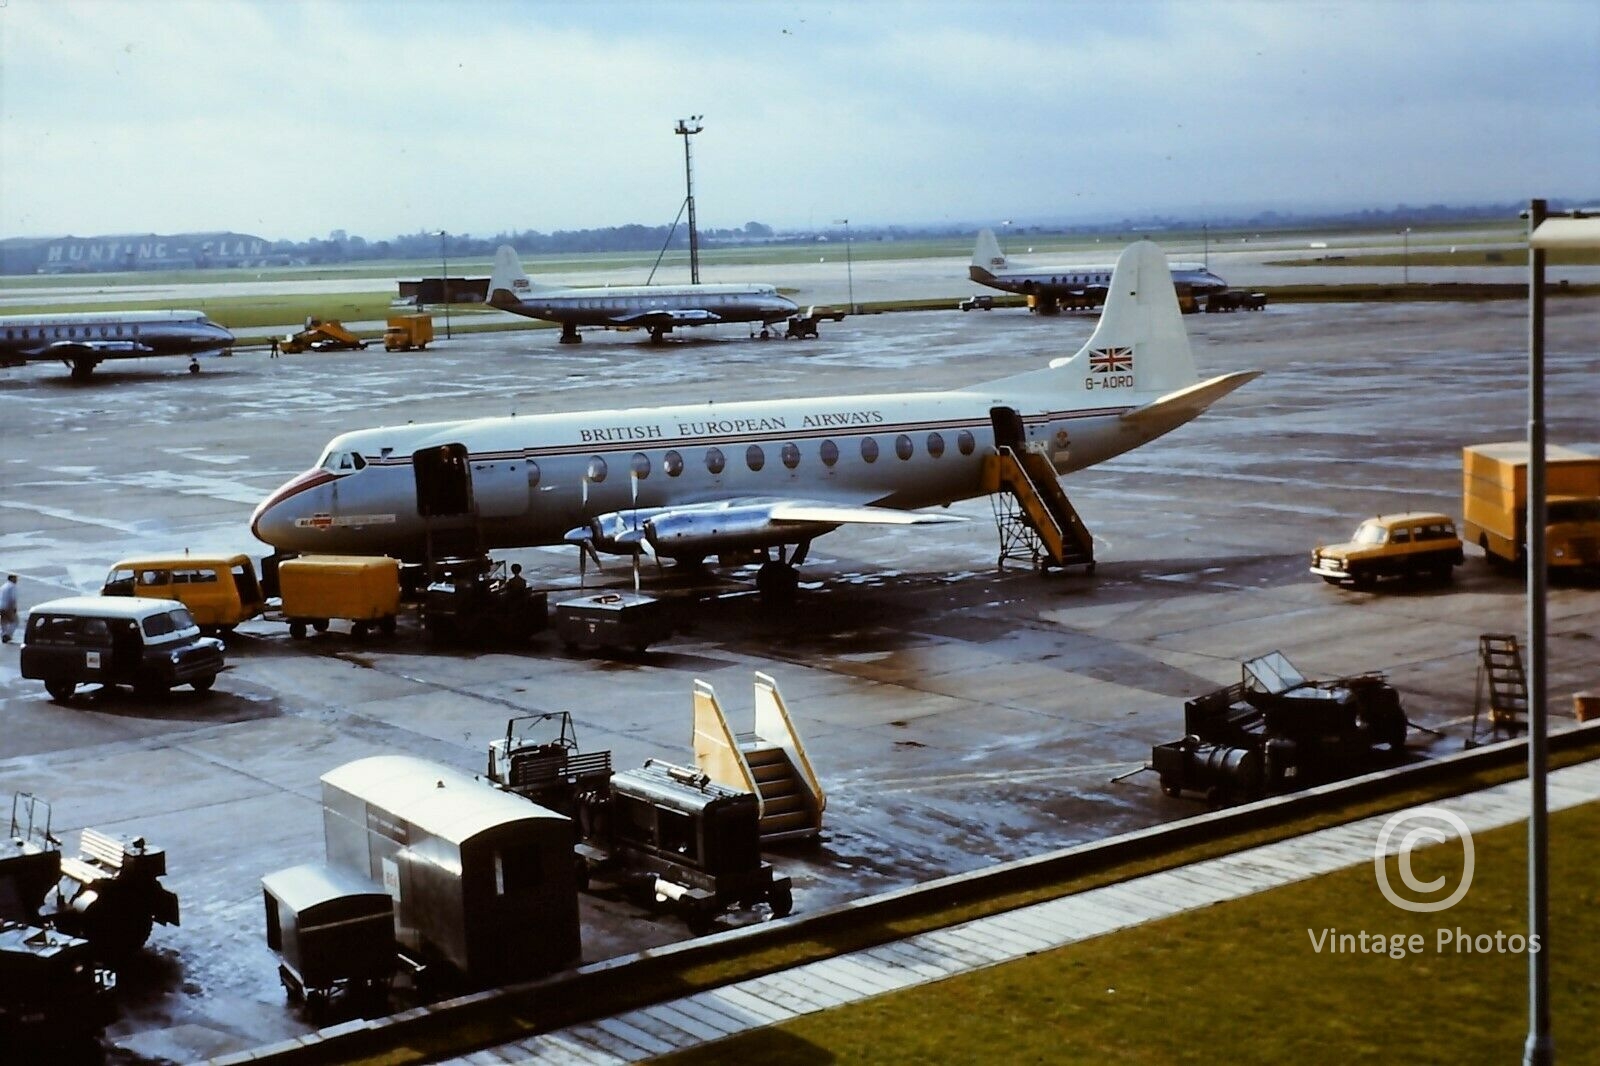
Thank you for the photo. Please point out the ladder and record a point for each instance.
(1502, 682)
(1036, 520)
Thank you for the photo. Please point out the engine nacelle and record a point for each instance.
(616, 532)
(700, 533)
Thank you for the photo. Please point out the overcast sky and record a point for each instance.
(290, 118)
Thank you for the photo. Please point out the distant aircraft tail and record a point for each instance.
(987, 258)
(1138, 354)
(508, 282)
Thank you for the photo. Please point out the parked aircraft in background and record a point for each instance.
(657, 308)
(1080, 286)
(85, 339)
(685, 482)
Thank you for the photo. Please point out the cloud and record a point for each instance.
(294, 118)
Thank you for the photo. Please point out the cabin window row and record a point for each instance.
(755, 457)
(43, 333)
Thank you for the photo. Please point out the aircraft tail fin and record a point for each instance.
(1140, 346)
(987, 258)
(1141, 328)
(508, 282)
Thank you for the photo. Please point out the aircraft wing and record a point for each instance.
(717, 526)
(681, 316)
(844, 514)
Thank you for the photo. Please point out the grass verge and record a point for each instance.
(1243, 982)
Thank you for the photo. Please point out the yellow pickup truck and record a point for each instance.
(1409, 544)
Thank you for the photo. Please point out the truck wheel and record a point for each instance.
(203, 684)
(297, 630)
(387, 625)
(358, 629)
(781, 901)
(60, 690)
(320, 625)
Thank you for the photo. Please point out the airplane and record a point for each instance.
(84, 339)
(688, 481)
(657, 308)
(1081, 286)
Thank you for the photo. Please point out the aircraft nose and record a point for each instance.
(274, 519)
(223, 335)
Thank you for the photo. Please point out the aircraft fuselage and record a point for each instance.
(534, 478)
(1091, 281)
(653, 305)
(84, 339)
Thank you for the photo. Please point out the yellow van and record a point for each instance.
(220, 590)
(1409, 544)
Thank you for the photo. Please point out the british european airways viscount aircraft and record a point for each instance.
(690, 481)
(1086, 285)
(84, 339)
(657, 308)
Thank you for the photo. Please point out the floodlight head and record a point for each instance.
(687, 126)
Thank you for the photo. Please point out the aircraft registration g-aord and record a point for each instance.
(686, 482)
(657, 308)
(85, 339)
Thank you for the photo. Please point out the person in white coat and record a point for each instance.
(8, 608)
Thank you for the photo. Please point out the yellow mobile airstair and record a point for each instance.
(769, 761)
(1036, 520)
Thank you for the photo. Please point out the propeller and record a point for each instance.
(633, 484)
(583, 536)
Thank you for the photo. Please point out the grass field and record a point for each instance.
(1240, 982)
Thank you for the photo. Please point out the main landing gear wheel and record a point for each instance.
(60, 691)
(569, 334)
(777, 582)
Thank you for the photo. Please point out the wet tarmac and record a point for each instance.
(958, 715)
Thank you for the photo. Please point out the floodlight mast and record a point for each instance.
(687, 128)
(1569, 230)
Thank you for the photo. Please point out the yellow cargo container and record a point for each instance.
(1494, 503)
(361, 589)
(406, 332)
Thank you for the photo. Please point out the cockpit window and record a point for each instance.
(342, 461)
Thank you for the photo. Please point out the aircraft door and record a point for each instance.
(1009, 431)
(444, 481)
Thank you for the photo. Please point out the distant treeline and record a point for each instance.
(28, 256)
(340, 247)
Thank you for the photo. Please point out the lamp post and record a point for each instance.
(688, 127)
(444, 283)
(1574, 230)
(849, 266)
(1405, 237)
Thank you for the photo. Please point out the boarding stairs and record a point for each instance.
(1502, 682)
(1036, 520)
(769, 761)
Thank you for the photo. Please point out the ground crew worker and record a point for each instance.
(8, 608)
